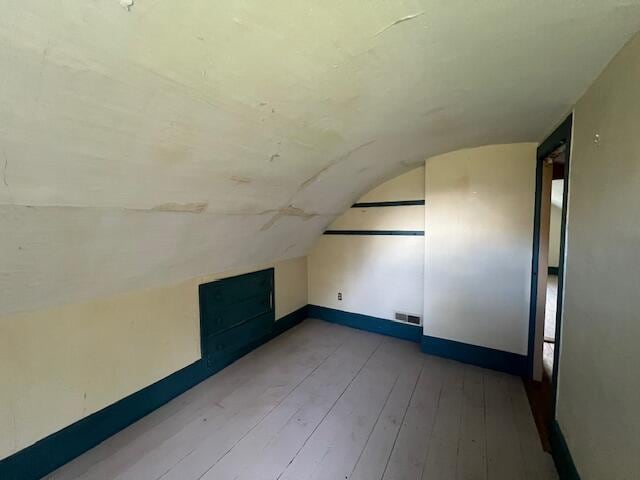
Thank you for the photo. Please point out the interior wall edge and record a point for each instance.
(479, 209)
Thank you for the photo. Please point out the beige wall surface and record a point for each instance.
(554, 236)
(599, 390)
(290, 286)
(555, 229)
(62, 364)
(407, 217)
(479, 213)
(377, 275)
(407, 186)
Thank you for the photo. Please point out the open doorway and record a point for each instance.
(554, 206)
(547, 277)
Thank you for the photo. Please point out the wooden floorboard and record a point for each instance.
(410, 449)
(504, 461)
(472, 453)
(112, 456)
(373, 459)
(274, 444)
(536, 462)
(442, 454)
(335, 447)
(324, 401)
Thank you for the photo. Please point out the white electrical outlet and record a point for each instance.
(340, 296)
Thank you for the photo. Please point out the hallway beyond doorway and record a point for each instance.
(550, 326)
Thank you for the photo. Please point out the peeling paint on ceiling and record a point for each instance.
(145, 143)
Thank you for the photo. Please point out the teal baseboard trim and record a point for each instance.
(366, 322)
(290, 320)
(52, 452)
(475, 355)
(561, 455)
(481, 356)
(396, 233)
(395, 203)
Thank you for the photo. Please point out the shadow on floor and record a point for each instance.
(541, 393)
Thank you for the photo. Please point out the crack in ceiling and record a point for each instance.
(191, 138)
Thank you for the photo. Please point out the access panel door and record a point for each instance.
(235, 314)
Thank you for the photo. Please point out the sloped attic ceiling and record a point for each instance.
(143, 144)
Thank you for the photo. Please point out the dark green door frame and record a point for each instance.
(561, 136)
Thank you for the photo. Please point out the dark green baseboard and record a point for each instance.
(482, 356)
(52, 452)
(365, 322)
(561, 455)
(475, 355)
(290, 320)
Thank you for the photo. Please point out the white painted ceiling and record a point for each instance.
(142, 146)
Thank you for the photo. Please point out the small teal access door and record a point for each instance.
(235, 314)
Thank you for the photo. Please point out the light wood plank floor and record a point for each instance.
(328, 402)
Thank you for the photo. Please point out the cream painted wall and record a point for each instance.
(377, 275)
(554, 236)
(291, 286)
(61, 364)
(555, 223)
(410, 217)
(599, 390)
(479, 213)
(407, 186)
